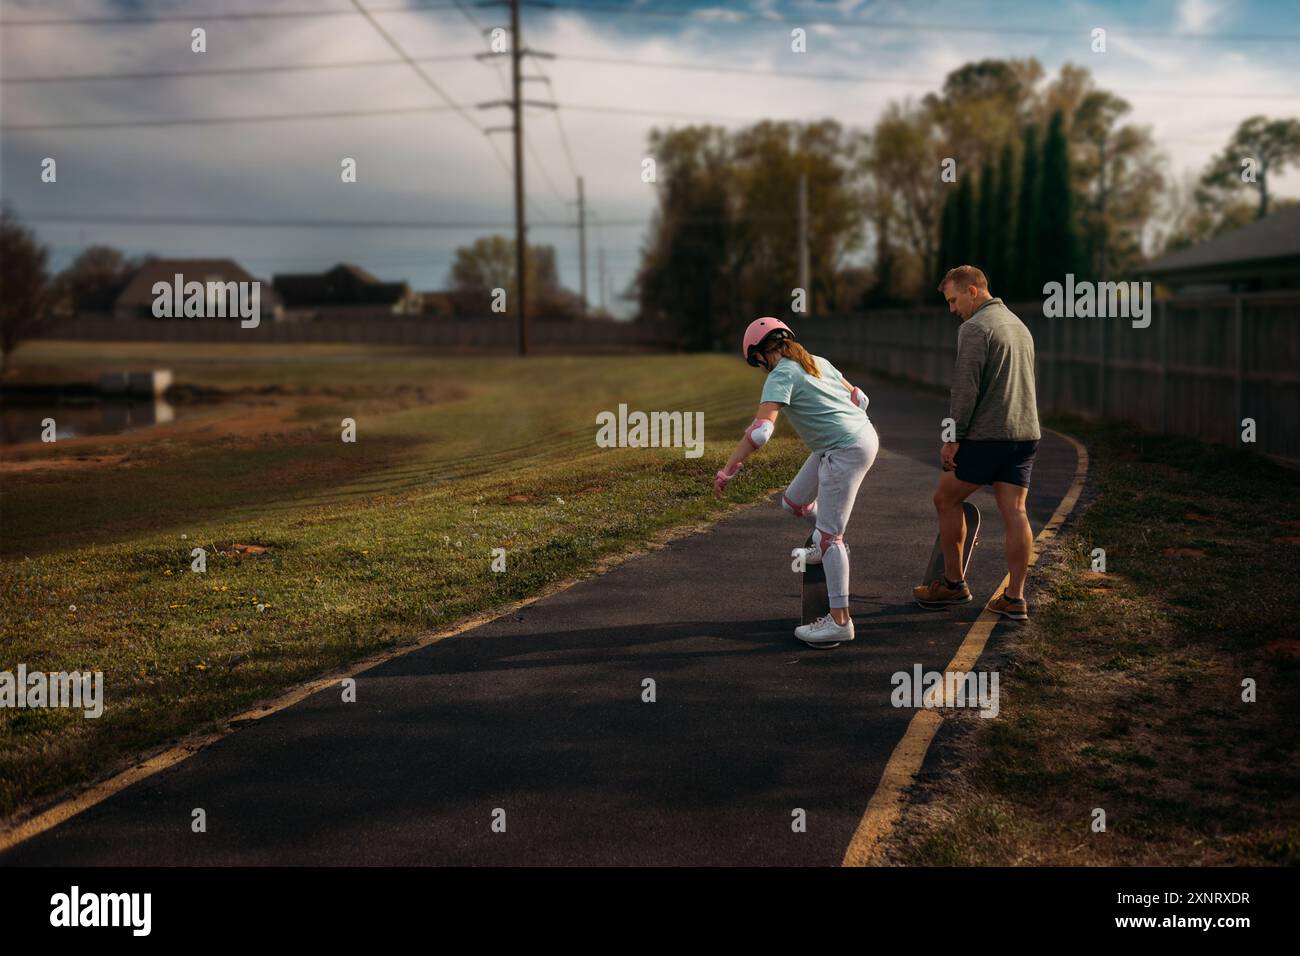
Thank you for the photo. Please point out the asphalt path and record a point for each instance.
(537, 719)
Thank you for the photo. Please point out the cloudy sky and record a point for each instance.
(268, 193)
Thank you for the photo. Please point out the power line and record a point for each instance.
(413, 6)
(839, 76)
(564, 136)
(241, 223)
(417, 224)
(496, 68)
(433, 85)
(225, 71)
(218, 120)
(833, 76)
(371, 113)
(428, 80)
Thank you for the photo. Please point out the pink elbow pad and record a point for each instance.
(759, 431)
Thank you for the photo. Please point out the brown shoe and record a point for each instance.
(1016, 610)
(937, 594)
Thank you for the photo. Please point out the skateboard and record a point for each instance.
(934, 568)
(816, 603)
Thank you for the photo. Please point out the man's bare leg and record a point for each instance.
(1020, 538)
(952, 520)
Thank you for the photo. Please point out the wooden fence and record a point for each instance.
(1201, 366)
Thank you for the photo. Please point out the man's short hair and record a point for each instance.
(965, 276)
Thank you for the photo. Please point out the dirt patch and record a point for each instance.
(1183, 552)
(67, 463)
(250, 548)
(239, 421)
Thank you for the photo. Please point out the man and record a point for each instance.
(996, 414)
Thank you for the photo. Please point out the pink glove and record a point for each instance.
(721, 478)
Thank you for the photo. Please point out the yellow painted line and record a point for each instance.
(886, 804)
(17, 828)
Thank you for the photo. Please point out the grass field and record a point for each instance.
(1125, 691)
(368, 545)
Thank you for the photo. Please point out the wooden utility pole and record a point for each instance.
(517, 104)
(582, 246)
(804, 278)
(521, 226)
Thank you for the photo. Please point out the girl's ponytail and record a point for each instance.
(791, 349)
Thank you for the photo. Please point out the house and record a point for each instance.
(1262, 256)
(137, 298)
(345, 286)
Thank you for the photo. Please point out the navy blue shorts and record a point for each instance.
(984, 462)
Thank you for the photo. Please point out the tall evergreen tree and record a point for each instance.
(1026, 283)
(984, 220)
(1058, 235)
(1004, 222)
(946, 231)
(964, 222)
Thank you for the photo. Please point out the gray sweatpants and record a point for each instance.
(823, 493)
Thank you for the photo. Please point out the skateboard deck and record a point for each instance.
(934, 567)
(816, 602)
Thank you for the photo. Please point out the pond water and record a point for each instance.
(22, 422)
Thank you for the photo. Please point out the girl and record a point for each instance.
(830, 415)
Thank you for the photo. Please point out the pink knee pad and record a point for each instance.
(825, 540)
(798, 511)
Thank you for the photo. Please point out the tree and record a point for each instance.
(767, 162)
(902, 159)
(947, 235)
(984, 219)
(724, 239)
(963, 241)
(1025, 271)
(687, 274)
(489, 264)
(1186, 216)
(95, 278)
(1271, 144)
(982, 105)
(1117, 180)
(1003, 236)
(28, 302)
(1058, 240)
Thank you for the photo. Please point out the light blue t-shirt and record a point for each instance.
(819, 408)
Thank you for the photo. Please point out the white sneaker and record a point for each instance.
(824, 632)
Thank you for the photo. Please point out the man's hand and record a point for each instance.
(721, 478)
(948, 455)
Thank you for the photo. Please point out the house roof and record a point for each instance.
(1276, 236)
(139, 290)
(343, 284)
(356, 272)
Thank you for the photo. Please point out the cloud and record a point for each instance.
(1195, 15)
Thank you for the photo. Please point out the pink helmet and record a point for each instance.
(761, 332)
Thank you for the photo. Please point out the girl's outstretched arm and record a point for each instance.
(755, 437)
